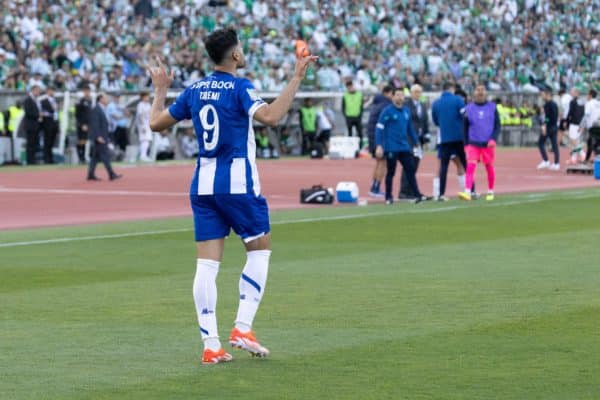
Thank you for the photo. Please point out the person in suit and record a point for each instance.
(420, 122)
(49, 123)
(98, 137)
(31, 122)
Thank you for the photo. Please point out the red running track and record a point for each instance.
(36, 198)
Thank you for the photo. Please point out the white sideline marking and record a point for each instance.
(94, 192)
(396, 211)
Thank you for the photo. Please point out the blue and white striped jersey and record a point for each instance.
(221, 107)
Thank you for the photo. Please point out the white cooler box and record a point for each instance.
(346, 192)
(343, 147)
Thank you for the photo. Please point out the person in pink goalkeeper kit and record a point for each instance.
(482, 127)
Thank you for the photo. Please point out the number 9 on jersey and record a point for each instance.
(209, 126)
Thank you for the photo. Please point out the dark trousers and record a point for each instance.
(405, 158)
(81, 139)
(32, 134)
(405, 188)
(121, 138)
(50, 128)
(100, 152)
(355, 122)
(447, 150)
(552, 135)
(307, 141)
(592, 142)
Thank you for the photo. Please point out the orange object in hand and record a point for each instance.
(303, 52)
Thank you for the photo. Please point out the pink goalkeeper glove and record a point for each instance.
(491, 143)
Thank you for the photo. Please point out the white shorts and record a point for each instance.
(574, 133)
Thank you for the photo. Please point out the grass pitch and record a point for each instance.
(434, 301)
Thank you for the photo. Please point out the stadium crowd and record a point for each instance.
(513, 45)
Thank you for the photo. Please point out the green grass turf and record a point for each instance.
(435, 301)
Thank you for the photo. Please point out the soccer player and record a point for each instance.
(482, 126)
(225, 189)
(447, 114)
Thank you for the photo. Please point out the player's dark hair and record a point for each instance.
(397, 89)
(593, 94)
(388, 89)
(448, 85)
(219, 43)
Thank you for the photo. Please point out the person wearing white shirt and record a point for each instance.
(142, 124)
(565, 100)
(325, 124)
(591, 122)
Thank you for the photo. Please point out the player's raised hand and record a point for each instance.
(160, 78)
(302, 64)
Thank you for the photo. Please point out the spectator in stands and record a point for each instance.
(308, 124)
(49, 123)
(549, 131)
(352, 108)
(420, 121)
(541, 46)
(142, 124)
(380, 102)
(31, 122)
(446, 113)
(99, 140)
(83, 111)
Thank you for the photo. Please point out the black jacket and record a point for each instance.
(576, 112)
(83, 111)
(49, 110)
(98, 125)
(31, 119)
(420, 122)
(379, 103)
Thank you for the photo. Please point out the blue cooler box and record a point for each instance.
(346, 192)
(597, 167)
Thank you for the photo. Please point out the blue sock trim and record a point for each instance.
(251, 281)
(203, 331)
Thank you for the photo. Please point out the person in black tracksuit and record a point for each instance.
(549, 131)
